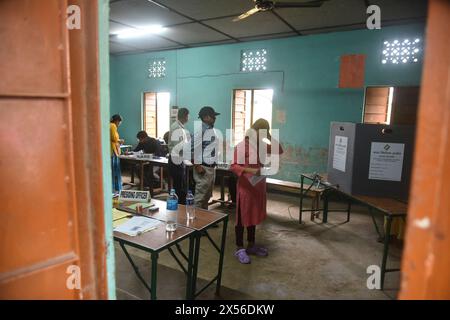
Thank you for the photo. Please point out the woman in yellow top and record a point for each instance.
(116, 120)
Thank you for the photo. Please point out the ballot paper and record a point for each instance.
(137, 225)
(254, 180)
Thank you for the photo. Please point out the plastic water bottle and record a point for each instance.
(172, 211)
(190, 208)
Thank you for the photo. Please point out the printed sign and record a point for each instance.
(145, 156)
(134, 195)
(386, 161)
(174, 112)
(340, 153)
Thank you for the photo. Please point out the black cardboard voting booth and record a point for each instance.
(371, 159)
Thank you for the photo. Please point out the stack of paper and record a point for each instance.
(119, 217)
(137, 225)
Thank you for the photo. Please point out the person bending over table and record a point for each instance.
(251, 199)
(148, 145)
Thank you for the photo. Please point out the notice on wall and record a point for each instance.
(174, 112)
(281, 116)
(386, 161)
(340, 153)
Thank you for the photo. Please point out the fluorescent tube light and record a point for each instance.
(139, 32)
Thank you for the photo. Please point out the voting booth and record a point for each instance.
(371, 159)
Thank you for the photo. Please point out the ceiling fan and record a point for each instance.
(266, 5)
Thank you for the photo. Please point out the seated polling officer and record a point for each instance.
(147, 145)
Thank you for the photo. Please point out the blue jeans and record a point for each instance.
(116, 176)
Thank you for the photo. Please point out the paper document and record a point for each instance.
(118, 222)
(254, 180)
(340, 153)
(117, 214)
(386, 161)
(137, 225)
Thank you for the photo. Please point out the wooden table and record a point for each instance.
(222, 173)
(388, 207)
(199, 226)
(142, 162)
(154, 242)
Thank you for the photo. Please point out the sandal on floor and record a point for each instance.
(242, 256)
(258, 251)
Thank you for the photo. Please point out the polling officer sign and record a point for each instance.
(386, 161)
(134, 195)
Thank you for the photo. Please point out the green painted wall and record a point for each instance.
(303, 71)
(103, 18)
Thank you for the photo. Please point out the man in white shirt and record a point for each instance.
(177, 169)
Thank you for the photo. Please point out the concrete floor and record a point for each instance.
(309, 261)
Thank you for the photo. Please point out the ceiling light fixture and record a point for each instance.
(139, 32)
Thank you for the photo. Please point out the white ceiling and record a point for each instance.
(193, 23)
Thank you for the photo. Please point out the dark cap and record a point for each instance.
(207, 111)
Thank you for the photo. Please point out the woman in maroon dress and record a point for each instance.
(251, 188)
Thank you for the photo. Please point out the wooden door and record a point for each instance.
(50, 225)
(426, 259)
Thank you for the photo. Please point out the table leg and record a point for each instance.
(387, 237)
(222, 188)
(189, 293)
(222, 252)
(348, 210)
(301, 200)
(151, 180)
(380, 237)
(154, 274)
(135, 268)
(141, 179)
(198, 236)
(133, 165)
(325, 207)
(161, 174)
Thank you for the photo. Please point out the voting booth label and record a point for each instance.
(386, 161)
(340, 153)
(134, 195)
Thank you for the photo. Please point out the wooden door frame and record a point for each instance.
(88, 161)
(426, 258)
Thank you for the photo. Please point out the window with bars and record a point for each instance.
(156, 113)
(248, 106)
(157, 68)
(401, 51)
(253, 60)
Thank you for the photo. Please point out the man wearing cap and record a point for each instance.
(204, 150)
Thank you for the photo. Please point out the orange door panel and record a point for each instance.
(39, 233)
